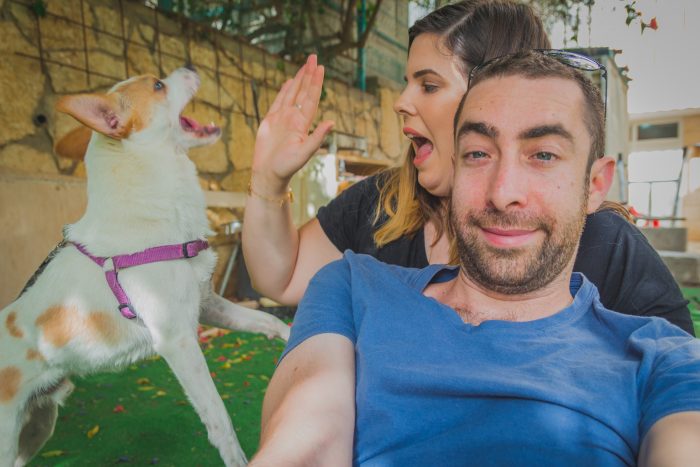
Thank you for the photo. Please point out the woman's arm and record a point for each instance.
(280, 259)
(308, 414)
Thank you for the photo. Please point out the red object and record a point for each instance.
(653, 24)
(246, 383)
(655, 223)
(118, 409)
(221, 359)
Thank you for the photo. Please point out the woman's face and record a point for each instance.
(435, 85)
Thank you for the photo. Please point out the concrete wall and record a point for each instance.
(691, 130)
(691, 208)
(616, 124)
(34, 210)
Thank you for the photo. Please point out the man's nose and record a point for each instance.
(508, 187)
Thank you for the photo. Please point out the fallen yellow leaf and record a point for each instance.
(93, 431)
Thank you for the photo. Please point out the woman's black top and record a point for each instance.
(613, 254)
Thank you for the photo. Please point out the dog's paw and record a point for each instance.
(275, 328)
(282, 333)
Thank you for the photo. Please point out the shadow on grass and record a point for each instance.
(144, 418)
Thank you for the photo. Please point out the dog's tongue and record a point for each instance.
(190, 124)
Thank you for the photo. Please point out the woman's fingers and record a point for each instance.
(313, 94)
(311, 67)
(314, 140)
(290, 97)
(277, 103)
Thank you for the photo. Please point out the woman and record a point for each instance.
(400, 216)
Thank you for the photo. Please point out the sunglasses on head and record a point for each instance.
(572, 59)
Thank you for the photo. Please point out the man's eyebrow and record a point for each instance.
(546, 130)
(477, 127)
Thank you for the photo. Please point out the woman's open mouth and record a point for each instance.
(422, 146)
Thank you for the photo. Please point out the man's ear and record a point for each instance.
(73, 145)
(96, 111)
(601, 178)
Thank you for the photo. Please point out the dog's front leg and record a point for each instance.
(187, 362)
(10, 424)
(222, 313)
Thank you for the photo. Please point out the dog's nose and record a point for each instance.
(190, 67)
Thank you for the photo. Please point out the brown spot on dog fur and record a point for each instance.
(58, 324)
(11, 324)
(131, 97)
(34, 355)
(101, 325)
(10, 378)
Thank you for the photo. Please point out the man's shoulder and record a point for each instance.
(357, 269)
(633, 327)
(367, 265)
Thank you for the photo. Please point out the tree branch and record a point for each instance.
(361, 41)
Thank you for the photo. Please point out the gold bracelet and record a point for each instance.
(288, 196)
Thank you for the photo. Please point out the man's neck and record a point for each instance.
(475, 304)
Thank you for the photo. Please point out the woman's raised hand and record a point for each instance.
(283, 143)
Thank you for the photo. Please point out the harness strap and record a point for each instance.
(112, 265)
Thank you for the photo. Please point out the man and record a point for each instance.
(508, 359)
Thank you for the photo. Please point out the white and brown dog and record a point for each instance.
(132, 276)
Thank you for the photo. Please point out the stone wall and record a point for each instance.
(88, 45)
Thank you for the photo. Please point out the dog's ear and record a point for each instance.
(99, 112)
(73, 145)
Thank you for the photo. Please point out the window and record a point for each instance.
(647, 131)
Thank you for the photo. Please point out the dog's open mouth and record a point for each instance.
(191, 125)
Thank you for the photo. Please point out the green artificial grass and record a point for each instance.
(693, 296)
(144, 418)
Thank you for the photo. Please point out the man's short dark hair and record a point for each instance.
(533, 65)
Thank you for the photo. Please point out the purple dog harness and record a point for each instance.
(112, 265)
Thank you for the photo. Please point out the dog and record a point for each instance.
(132, 276)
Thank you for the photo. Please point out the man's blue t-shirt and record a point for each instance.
(580, 387)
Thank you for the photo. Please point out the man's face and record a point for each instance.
(521, 188)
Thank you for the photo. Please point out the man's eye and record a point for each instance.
(429, 88)
(476, 155)
(158, 86)
(545, 156)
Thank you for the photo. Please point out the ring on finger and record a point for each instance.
(298, 106)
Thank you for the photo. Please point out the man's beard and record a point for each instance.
(514, 271)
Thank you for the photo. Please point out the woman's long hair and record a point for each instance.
(473, 31)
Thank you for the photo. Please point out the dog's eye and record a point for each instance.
(159, 86)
